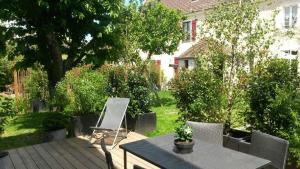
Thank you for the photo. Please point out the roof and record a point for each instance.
(193, 50)
(189, 6)
(202, 45)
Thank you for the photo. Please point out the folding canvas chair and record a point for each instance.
(111, 118)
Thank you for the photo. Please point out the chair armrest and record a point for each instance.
(244, 147)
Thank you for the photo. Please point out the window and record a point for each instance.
(187, 30)
(186, 64)
(291, 52)
(290, 16)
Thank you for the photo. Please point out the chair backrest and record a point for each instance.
(114, 113)
(108, 157)
(269, 147)
(209, 132)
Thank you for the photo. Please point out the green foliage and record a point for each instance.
(81, 91)
(21, 105)
(55, 121)
(184, 133)
(199, 95)
(6, 72)
(164, 37)
(274, 101)
(130, 82)
(245, 37)
(6, 110)
(156, 75)
(61, 34)
(36, 84)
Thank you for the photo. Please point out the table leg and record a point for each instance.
(125, 160)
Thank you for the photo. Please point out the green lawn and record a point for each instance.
(167, 114)
(24, 129)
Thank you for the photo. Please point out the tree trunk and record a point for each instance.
(55, 69)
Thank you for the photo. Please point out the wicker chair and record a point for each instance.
(109, 161)
(268, 147)
(209, 132)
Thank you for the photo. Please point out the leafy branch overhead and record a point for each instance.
(157, 28)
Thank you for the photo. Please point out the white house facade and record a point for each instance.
(287, 44)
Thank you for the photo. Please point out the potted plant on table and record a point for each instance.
(55, 125)
(184, 142)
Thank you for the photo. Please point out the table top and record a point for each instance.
(160, 151)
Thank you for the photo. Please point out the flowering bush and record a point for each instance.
(184, 133)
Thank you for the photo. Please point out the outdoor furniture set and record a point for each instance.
(264, 151)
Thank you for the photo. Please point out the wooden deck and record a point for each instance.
(69, 154)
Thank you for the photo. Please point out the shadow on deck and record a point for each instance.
(68, 154)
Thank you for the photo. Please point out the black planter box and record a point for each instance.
(81, 125)
(234, 137)
(143, 123)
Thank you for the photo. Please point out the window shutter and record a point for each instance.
(176, 60)
(194, 29)
(158, 62)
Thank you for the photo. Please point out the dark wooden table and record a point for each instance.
(161, 152)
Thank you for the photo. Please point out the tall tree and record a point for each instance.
(247, 38)
(156, 28)
(60, 34)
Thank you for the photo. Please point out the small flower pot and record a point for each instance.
(184, 147)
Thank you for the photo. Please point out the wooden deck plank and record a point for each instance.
(29, 163)
(80, 157)
(47, 157)
(16, 159)
(97, 152)
(71, 153)
(98, 160)
(39, 161)
(6, 163)
(61, 160)
(67, 155)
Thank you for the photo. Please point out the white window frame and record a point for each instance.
(188, 36)
(290, 19)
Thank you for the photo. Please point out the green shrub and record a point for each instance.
(6, 110)
(36, 84)
(275, 102)
(81, 91)
(55, 121)
(6, 72)
(184, 133)
(130, 82)
(198, 95)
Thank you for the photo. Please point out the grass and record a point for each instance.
(166, 113)
(23, 130)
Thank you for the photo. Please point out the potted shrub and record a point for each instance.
(130, 83)
(82, 93)
(184, 142)
(55, 125)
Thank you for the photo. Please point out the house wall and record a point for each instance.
(282, 43)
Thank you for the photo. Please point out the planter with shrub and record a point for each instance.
(82, 93)
(55, 126)
(132, 83)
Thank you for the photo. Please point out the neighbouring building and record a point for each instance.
(286, 46)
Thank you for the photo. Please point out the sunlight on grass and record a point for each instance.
(166, 113)
(23, 130)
